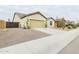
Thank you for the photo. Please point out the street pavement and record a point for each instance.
(72, 47)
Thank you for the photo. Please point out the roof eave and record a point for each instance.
(33, 14)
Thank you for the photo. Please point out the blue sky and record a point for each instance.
(70, 12)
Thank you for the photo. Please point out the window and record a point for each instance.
(50, 22)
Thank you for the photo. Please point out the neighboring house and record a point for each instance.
(50, 22)
(60, 22)
(32, 20)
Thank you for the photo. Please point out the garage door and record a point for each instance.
(37, 24)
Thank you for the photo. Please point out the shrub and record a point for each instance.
(77, 24)
(28, 27)
(24, 27)
(74, 26)
(45, 25)
(69, 27)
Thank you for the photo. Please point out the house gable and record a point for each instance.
(16, 18)
(36, 15)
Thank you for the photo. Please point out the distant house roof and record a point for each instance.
(51, 18)
(59, 19)
(22, 15)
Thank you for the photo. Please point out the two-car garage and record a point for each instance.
(37, 24)
(31, 23)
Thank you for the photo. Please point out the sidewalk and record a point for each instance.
(51, 44)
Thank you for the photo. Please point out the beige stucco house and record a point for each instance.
(32, 20)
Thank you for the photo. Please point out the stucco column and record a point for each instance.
(28, 24)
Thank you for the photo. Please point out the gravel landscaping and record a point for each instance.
(14, 36)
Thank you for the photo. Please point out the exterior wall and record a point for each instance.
(57, 24)
(37, 24)
(16, 18)
(23, 22)
(53, 23)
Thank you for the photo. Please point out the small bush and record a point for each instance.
(24, 27)
(69, 27)
(77, 24)
(74, 26)
(28, 27)
(45, 24)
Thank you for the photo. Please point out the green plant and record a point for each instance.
(77, 24)
(69, 27)
(74, 26)
(24, 27)
(28, 24)
(28, 27)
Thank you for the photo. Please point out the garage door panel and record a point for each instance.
(37, 24)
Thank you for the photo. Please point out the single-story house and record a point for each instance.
(32, 20)
(60, 22)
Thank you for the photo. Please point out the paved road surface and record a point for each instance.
(71, 48)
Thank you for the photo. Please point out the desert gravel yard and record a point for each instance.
(14, 36)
